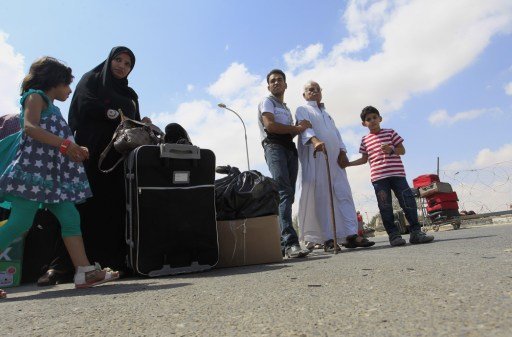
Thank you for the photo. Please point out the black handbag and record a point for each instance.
(129, 135)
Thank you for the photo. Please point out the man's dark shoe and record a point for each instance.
(296, 251)
(352, 242)
(396, 240)
(420, 237)
(329, 246)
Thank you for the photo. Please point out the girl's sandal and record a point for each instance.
(3, 294)
(90, 276)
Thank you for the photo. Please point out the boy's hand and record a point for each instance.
(343, 161)
(387, 148)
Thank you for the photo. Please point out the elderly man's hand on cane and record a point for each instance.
(318, 145)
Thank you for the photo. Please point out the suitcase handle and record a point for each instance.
(179, 151)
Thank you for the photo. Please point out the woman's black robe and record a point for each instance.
(93, 119)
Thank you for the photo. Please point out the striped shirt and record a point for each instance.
(382, 165)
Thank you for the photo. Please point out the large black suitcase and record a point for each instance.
(170, 219)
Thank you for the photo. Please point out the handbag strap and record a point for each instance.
(107, 149)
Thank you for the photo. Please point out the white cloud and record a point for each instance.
(441, 117)
(350, 45)
(11, 75)
(362, 19)
(416, 46)
(508, 89)
(234, 80)
(487, 156)
(483, 183)
(352, 137)
(190, 87)
(220, 130)
(362, 189)
(424, 43)
(366, 16)
(300, 57)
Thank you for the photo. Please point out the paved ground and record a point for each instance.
(459, 285)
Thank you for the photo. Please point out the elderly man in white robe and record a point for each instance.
(314, 217)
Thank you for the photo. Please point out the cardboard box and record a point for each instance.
(249, 241)
(436, 187)
(10, 263)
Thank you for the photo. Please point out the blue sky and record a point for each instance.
(439, 71)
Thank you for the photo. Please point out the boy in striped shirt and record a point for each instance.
(383, 148)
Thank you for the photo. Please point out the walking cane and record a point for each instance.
(332, 201)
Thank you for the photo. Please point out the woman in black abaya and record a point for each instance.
(93, 117)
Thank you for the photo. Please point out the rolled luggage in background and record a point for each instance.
(434, 188)
(441, 197)
(425, 180)
(443, 206)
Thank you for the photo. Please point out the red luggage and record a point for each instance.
(441, 197)
(425, 180)
(445, 205)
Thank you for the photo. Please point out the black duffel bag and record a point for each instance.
(247, 194)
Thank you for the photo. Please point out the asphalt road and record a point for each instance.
(459, 285)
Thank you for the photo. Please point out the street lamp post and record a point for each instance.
(222, 105)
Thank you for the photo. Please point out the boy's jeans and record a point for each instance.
(283, 165)
(405, 198)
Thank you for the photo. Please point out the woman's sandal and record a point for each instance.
(90, 276)
(3, 294)
(353, 243)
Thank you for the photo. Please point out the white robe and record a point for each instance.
(315, 206)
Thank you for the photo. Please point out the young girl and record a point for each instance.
(42, 166)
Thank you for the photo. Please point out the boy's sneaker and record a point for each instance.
(396, 240)
(420, 237)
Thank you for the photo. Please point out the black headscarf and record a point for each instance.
(99, 91)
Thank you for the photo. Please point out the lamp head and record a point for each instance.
(221, 105)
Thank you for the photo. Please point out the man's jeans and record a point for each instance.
(283, 165)
(405, 198)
